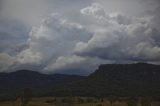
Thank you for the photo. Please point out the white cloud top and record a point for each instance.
(77, 42)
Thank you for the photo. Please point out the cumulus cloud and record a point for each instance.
(75, 64)
(13, 34)
(114, 36)
(28, 57)
(126, 38)
(96, 10)
(77, 37)
(6, 61)
(53, 38)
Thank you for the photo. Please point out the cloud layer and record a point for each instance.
(77, 41)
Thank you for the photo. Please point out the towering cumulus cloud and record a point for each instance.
(120, 37)
(83, 36)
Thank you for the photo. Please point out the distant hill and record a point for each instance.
(140, 79)
(14, 82)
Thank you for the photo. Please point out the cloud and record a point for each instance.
(13, 35)
(6, 61)
(55, 37)
(75, 64)
(116, 37)
(31, 12)
(95, 10)
(125, 38)
(28, 11)
(74, 37)
(28, 57)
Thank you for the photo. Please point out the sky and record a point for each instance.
(76, 36)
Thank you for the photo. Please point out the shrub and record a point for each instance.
(51, 101)
(145, 102)
(80, 100)
(89, 100)
(26, 96)
(132, 102)
(99, 105)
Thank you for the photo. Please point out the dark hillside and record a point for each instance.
(15, 82)
(139, 79)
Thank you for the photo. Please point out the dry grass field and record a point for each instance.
(76, 101)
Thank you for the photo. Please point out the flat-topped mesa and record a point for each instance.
(142, 73)
(137, 79)
(131, 67)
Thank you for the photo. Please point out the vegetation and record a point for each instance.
(127, 80)
(26, 96)
(132, 102)
(74, 101)
(146, 102)
(110, 85)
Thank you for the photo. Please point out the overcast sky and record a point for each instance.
(76, 36)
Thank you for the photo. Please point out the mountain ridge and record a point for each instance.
(137, 79)
(14, 82)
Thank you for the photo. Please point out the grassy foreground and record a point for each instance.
(73, 101)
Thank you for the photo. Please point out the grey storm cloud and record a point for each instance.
(74, 37)
(122, 38)
(13, 35)
(54, 38)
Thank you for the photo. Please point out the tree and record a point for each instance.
(26, 96)
(112, 99)
(145, 102)
(89, 100)
(67, 101)
(99, 105)
(80, 100)
(132, 102)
